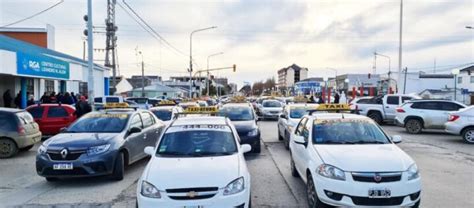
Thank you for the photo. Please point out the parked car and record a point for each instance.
(143, 102)
(462, 123)
(18, 131)
(99, 143)
(425, 114)
(383, 108)
(270, 109)
(51, 118)
(166, 113)
(290, 117)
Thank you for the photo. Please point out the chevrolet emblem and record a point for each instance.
(191, 194)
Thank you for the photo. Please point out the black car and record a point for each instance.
(244, 119)
(99, 143)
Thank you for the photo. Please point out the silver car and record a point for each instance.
(462, 123)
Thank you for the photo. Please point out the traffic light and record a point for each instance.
(234, 67)
(86, 18)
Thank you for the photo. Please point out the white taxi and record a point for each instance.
(197, 163)
(348, 160)
(291, 115)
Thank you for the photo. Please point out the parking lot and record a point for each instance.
(446, 165)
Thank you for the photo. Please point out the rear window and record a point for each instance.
(112, 100)
(164, 115)
(6, 123)
(56, 112)
(36, 112)
(271, 104)
(25, 117)
(98, 100)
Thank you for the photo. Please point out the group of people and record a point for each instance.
(321, 99)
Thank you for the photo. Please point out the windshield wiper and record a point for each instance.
(368, 142)
(172, 154)
(203, 154)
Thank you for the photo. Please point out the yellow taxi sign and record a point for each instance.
(116, 105)
(333, 107)
(166, 102)
(201, 110)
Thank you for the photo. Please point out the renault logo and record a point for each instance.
(64, 153)
(191, 194)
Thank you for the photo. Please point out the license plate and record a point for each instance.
(63, 166)
(380, 193)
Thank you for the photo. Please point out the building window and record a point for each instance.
(83, 88)
(472, 79)
(459, 80)
(30, 86)
(48, 86)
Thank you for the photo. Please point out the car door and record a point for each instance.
(304, 155)
(392, 102)
(135, 141)
(298, 149)
(283, 122)
(150, 130)
(56, 118)
(431, 113)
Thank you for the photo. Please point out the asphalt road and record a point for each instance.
(446, 166)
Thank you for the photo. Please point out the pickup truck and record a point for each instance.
(382, 108)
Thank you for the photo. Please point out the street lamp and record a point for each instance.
(191, 58)
(455, 72)
(207, 77)
(143, 71)
(389, 72)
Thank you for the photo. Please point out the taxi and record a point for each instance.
(291, 115)
(166, 111)
(99, 143)
(197, 162)
(348, 160)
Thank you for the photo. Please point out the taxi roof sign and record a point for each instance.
(116, 105)
(166, 103)
(336, 108)
(201, 110)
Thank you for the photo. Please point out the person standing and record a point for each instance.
(18, 100)
(74, 98)
(67, 99)
(45, 98)
(31, 100)
(336, 98)
(82, 107)
(320, 99)
(7, 99)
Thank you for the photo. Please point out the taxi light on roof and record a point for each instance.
(166, 103)
(334, 107)
(116, 105)
(238, 99)
(201, 110)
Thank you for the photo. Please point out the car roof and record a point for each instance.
(200, 120)
(169, 107)
(329, 116)
(51, 104)
(120, 110)
(275, 100)
(237, 105)
(301, 104)
(10, 110)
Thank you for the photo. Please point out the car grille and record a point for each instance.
(365, 201)
(371, 177)
(192, 193)
(72, 155)
(274, 112)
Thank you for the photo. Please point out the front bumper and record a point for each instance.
(251, 140)
(240, 200)
(352, 193)
(270, 115)
(83, 166)
(452, 128)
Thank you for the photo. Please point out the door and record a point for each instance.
(390, 106)
(299, 149)
(446, 108)
(135, 141)
(431, 112)
(150, 130)
(283, 122)
(38, 114)
(56, 118)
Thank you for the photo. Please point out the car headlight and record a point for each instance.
(330, 171)
(235, 186)
(149, 190)
(41, 150)
(98, 149)
(253, 133)
(413, 172)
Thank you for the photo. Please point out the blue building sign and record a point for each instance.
(307, 87)
(41, 66)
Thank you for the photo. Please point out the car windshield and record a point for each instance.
(164, 115)
(99, 123)
(237, 113)
(271, 104)
(197, 141)
(355, 132)
(298, 112)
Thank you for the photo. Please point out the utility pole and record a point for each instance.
(110, 42)
(405, 81)
(90, 57)
(143, 72)
(190, 70)
(207, 77)
(400, 47)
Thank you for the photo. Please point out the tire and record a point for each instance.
(376, 117)
(27, 148)
(413, 126)
(250, 201)
(257, 148)
(286, 140)
(51, 179)
(119, 170)
(294, 172)
(417, 204)
(280, 138)
(8, 148)
(468, 135)
(313, 199)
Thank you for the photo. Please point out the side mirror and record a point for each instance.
(63, 129)
(396, 139)
(283, 116)
(134, 130)
(299, 140)
(149, 150)
(246, 148)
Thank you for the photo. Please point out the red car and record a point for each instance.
(52, 117)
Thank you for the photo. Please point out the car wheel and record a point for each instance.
(27, 148)
(118, 172)
(417, 204)
(313, 199)
(413, 126)
(287, 140)
(468, 135)
(376, 117)
(294, 172)
(8, 148)
(257, 148)
(279, 135)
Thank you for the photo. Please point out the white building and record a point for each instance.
(465, 82)
(288, 76)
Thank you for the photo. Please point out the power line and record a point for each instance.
(34, 15)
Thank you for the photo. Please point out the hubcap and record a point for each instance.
(413, 126)
(5, 148)
(311, 193)
(470, 136)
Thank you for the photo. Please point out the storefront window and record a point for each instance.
(30, 86)
(48, 86)
(83, 88)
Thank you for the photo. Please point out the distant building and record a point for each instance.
(309, 86)
(182, 82)
(288, 76)
(356, 81)
(157, 90)
(136, 80)
(465, 81)
(221, 80)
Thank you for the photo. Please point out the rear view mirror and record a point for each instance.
(149, 150)
(283, 116)
(246, 148)
(396, 139)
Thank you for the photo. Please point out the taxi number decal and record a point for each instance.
(204, 126)
(106, 115)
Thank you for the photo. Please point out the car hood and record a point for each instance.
(78, 140)
(166, 172)
(244, 126)
(365, 158)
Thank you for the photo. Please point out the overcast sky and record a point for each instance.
(262, 36)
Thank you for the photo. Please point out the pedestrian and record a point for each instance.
(7, 99)
(18, 100)
(321, 99)
(74, 98)
(336, 98)
(53, 98)
(45, 98)
(59, 97)
(311, 99)
(67, 99)
(31, 100)
(82, 107)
